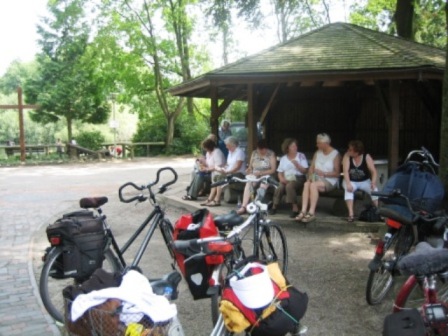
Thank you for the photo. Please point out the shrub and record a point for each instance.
(90, 139)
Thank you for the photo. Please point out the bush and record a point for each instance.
(90, 139)
(188, 134)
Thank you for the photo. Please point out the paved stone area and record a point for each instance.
(33, 197)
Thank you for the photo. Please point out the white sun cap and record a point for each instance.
(255, 290)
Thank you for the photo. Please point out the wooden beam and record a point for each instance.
(228, 100)
(269, 104)
(394, 125)
(13, 107)
(21, 128)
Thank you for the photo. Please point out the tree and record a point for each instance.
(64, 86)
(419, 20)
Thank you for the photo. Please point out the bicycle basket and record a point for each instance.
(108, 319)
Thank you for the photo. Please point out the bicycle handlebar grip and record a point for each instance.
(182, 245)
(219, 183)
(132, 199)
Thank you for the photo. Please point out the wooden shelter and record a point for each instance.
(342, 79)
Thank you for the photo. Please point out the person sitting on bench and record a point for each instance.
(323, 176)
(292, 171)
(262, 162)
(359, 173)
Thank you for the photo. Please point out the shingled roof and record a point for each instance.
(338, 48)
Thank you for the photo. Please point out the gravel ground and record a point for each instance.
(330, 266)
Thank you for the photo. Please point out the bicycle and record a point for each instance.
(228, 246)
(50, 286)
(402, 215)
(426, 289)
(268, 242)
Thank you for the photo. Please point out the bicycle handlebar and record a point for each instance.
(396, 193)
(141, 197)
(229, 179)
(426, 154)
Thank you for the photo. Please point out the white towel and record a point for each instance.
(136, 293)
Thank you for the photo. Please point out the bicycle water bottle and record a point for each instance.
(168, 292)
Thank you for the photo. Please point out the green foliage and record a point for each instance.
(16, 75)
(189, 132)
(428, 24)
(64, 86)
(90, 139)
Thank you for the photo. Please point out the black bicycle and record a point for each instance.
(51, 285)
(410, 201)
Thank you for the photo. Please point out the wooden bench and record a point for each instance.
(338, 208)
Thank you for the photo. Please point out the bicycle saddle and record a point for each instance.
(170, 280)
(92, 202)
(396, 212)
(425, 260)
(228, 221)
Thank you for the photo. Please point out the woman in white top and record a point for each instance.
(291, 175)
(235, 165)
(323, 176)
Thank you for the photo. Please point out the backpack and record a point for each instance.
(424, 189)
(196, 272)
(280, 316)
(83, 241)
(370, 214)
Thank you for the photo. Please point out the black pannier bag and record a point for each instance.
(82, 240)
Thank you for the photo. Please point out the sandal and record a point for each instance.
(300, 216)
(350, 219)
(214, 203)
(207, 202)
(308, 218)
(188, 198)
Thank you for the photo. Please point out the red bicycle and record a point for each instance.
(426, 289)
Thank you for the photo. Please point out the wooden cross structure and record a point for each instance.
(20, 107)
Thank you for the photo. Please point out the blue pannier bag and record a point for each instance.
(424, 189)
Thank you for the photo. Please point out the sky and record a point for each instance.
(18, 36)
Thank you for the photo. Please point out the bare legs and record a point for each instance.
(310, 196)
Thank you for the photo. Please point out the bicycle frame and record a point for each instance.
(433, 311)
(153, 220)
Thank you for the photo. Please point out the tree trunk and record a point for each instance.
(443, 170)
(170, 130)
(404, 17)
(69, 128)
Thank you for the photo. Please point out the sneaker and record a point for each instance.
(272, 211)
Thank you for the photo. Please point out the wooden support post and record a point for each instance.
(21, 127)
(394, 125)
(214, 122)
(251, 121)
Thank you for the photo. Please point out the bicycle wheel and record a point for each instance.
(411, 294)
(272, 246)
(50, 288)
(381, 281)
(225, 269)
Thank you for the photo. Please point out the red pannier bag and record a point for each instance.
(197, 272)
